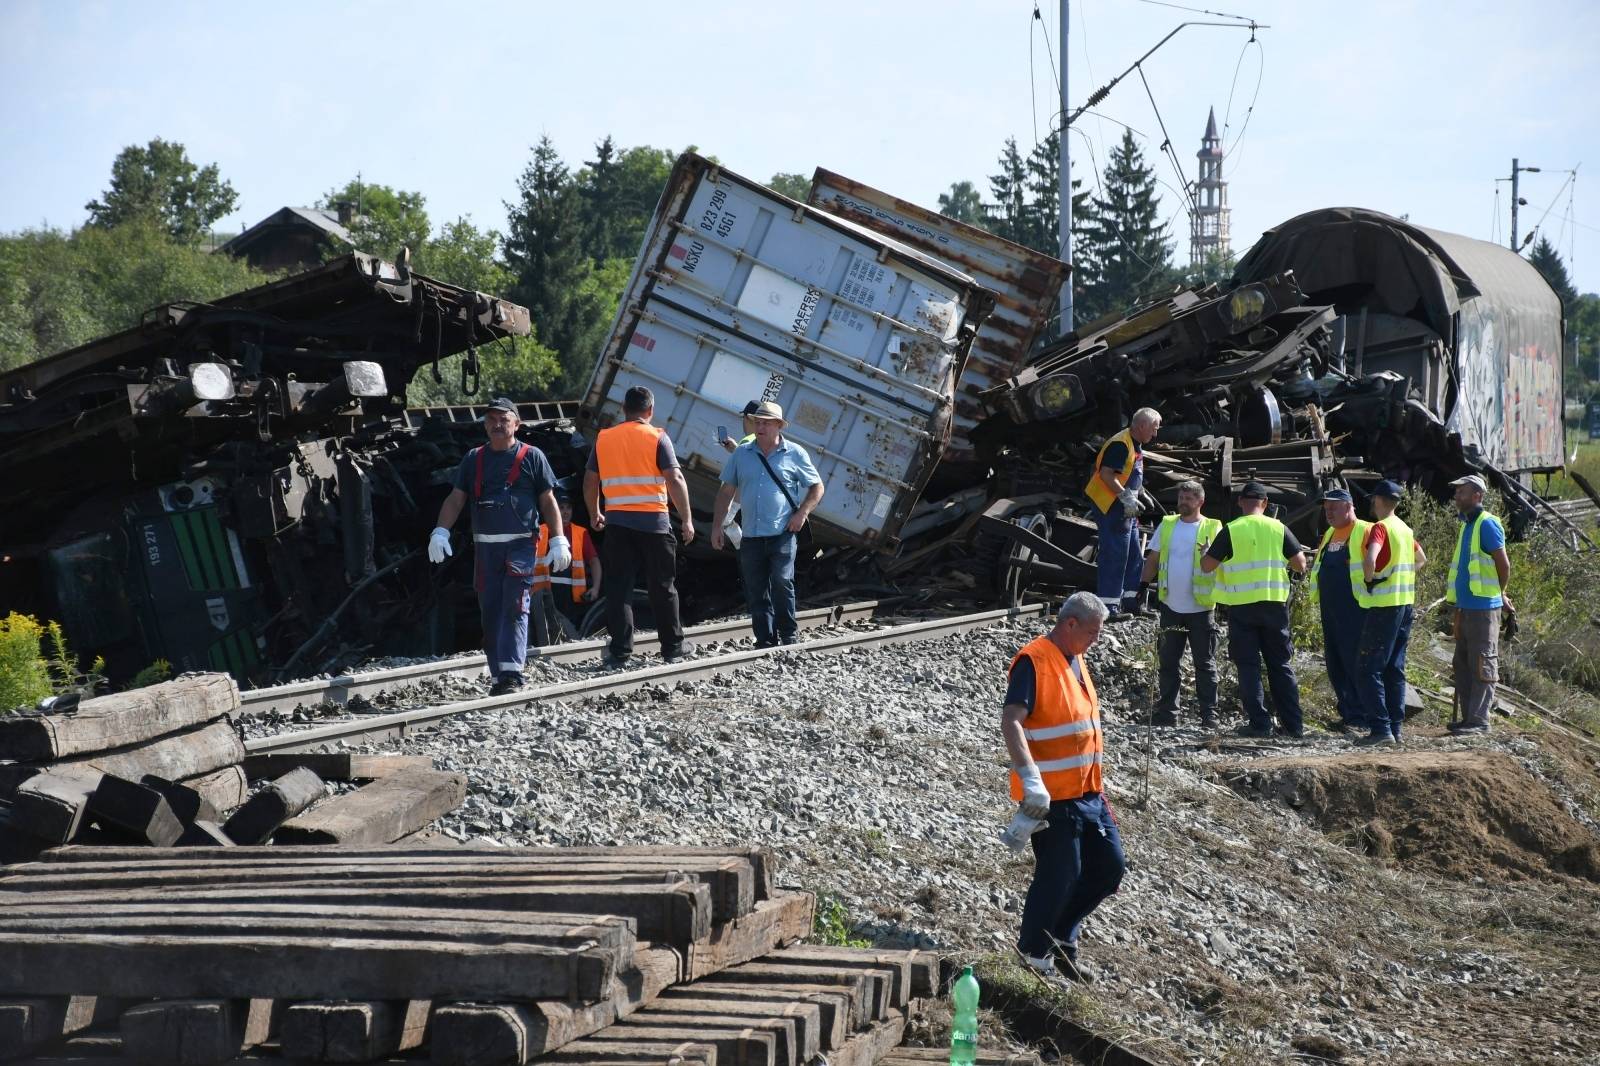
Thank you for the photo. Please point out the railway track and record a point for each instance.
(379, 727)
(343, 688)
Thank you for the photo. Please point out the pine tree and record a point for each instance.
(1547, 261)
(1043, 213)
(544, 250)
(1125, 246)
(1008, 214)
(597, 194)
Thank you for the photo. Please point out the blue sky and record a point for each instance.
(1410, 108)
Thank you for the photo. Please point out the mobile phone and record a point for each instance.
(722, 434)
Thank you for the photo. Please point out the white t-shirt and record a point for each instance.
(1180, 568)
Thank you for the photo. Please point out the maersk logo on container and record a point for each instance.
(690, 255)
(808, 308)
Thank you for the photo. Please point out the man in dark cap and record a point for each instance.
(1249, 557)
(1339, 589)
(634, 467)
(1389, 564)
(510, 484)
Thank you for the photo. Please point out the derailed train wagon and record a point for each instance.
(742, 294)
(237, 486)
(1473, 327)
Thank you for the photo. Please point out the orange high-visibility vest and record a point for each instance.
(629, 477)
(577, 577)
(1063, 730)
(1097, 490)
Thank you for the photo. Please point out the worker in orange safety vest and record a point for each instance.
(1051, 725)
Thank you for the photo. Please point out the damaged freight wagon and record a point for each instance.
(238, 486)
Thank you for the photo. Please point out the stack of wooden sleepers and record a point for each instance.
(594, 956)
(164, 766)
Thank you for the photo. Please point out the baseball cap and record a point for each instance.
(1387, 488)
(750, 408)
(1253, 490)
(502, 403)
(1337, 496)
(1471, 479)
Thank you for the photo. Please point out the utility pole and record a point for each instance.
(1065, 160)
(1515, 199)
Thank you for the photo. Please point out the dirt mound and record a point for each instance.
(1466, 814)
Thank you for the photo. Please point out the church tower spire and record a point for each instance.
(1208, 229)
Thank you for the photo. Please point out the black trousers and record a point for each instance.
(623, 553)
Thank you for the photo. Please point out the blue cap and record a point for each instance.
(502, 403)
(1337, 496)
(1388, 488)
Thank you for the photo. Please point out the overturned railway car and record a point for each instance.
(238, 486)
(1472, 328)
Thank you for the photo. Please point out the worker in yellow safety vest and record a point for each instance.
(1185, 595)
(634, 466)
(1252, 557)
(1051, 726)
(1480, 570)
(1113, 488)
(1390, 560)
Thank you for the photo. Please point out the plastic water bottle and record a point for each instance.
(964, 1026)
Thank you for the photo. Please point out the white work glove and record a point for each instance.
(439, 545)
(1035, 797)
(560, 556)
(1130, 502)
(1015, 836)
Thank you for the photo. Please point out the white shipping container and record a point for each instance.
(741, 294)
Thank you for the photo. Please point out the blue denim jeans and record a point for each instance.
(1077, 863)
(767, 564)
(1384, 638)
(1120, 561)
(1342, 622)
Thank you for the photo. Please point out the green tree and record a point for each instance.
(156, 183)
(462, 254)
(1125, 248)
(641, 178)
(544, 249)
(387, 219)
(1547, 261)
(794, 186)
(964, 203)
(1215, 269)
(599, 189)
(60, 290)
(1008, 215)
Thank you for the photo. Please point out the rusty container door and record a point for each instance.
(1026, 285)
(741, 294)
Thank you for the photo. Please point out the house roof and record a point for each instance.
(289, 217)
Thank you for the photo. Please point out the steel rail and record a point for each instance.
(400, 724)
(345, 687)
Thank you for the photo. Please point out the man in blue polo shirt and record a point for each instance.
(778, 488)
(1480, 570)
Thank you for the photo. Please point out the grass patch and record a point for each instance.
(831, 924)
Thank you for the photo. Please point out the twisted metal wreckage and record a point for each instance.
(240, 485)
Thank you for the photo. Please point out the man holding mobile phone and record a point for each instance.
(748, 424)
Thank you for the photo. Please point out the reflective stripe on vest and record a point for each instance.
(629, 476)
(1255, 572)
(1353, 552)
(1396, 584)
(1203, 587)
(1482, 578)
(1097, 490)
(577, 576)
(1063, 729)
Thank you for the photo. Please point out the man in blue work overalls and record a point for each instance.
(509, 484)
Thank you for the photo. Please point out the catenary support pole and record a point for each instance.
(1065, 158)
